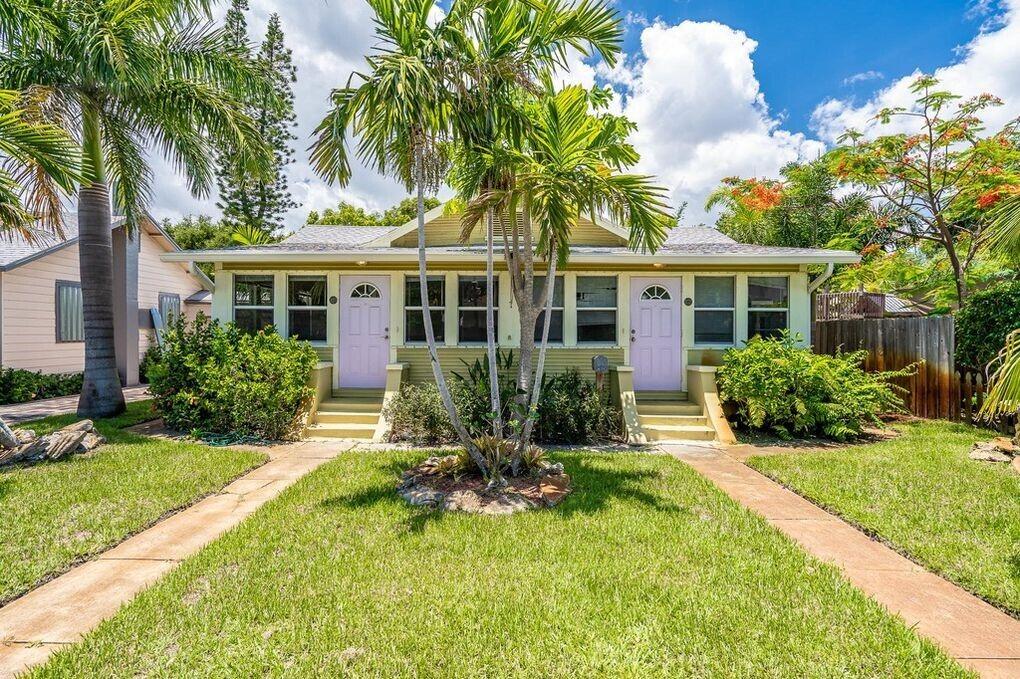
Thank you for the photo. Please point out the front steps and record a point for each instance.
(349, 414)
(669, 416)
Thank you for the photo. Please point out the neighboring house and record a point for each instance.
(658, 318)
(41, 323)
(841, 306)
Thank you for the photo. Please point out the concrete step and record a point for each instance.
(660, 396)
(679, 433)
(668, 408)
(672, 420)
(336, 405)
(341, 431)
(345, 393)
(346, 417)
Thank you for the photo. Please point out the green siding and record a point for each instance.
(557, 360)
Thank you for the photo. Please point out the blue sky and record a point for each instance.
(717, 88)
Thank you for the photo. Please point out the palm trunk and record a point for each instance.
(7, 437)
(430, 335)
(526, 304)
(490, 336)
(536, 385)
(101, 394)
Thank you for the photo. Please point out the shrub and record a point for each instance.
(572, 410)
(779, 386)
(416, 414)
(215, 378)
(983, 323)
(19, 386)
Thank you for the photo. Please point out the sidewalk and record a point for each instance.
(978, 635)
(61, 405)
(64, 609)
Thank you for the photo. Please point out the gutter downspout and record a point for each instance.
(822, 277)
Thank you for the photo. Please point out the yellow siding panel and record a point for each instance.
(557, 360)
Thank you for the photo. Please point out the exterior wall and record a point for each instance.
(560, 356)
(557, 360)
(445, 230)
(28, 306)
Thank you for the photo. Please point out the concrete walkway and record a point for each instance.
(978, 635)
(64, 609)
(61, 405)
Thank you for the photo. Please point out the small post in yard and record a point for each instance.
(600, 364)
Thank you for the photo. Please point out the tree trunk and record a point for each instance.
(526, 304)
(101, 394)
(7, 437)
(536, 385)
(430, 335)
(490, 335)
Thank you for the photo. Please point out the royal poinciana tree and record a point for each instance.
(569, 163)
(252, 203)
(938, 179)
(125, 78)
(402, 109)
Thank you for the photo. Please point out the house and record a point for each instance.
(41, 324)
(662, 320)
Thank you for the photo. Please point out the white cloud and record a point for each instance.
(988, 63)
(863, 76)
(700, 111)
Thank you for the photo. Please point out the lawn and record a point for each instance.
(920, 493)
(55, 514)
(646, 570)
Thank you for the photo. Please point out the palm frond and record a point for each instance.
(1004, 384)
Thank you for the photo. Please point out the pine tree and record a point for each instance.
(245, 200)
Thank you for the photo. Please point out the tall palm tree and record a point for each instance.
(124, 77)
(571, 164)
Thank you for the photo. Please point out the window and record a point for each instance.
(365, 291)
(713, 309)
(768, 304)
(414, 324)
(169, 307)
(253, 302)
(596, 309)
(471, 303)
(656, 292)
(556, 323)
(306, 307)
(70, 317)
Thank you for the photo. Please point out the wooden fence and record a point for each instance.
(893, 344)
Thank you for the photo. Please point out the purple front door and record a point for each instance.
(364, 330)
(655, 333)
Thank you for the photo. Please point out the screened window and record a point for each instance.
(169, 307)
(596, 309)
(768, 305)
(253, 302)
(414, 323)
(471, 304)
(713, 309)
(556, 321)
(70, 317)
(306, 307)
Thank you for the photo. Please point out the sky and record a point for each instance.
(716, 87)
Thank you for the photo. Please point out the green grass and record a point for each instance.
(920, 493)
(54, 514)
(645, 570)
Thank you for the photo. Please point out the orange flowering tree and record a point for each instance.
(940, 180)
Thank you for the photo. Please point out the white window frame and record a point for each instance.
(324, 308)
(731, 309)
(495, 309)
(417, 309)
(758, 309)
(578, 310)
(233, 296)
(562, 308)
(78, 334)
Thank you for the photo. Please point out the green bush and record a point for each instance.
(570, 409)
(779, 386)
(19, 386)
(215, 378)
(983, 323)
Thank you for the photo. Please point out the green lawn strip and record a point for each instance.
(645, 570)
(55, 514)
(920, 493)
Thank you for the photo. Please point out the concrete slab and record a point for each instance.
(977, 634)
(61, 405)
(16, 658)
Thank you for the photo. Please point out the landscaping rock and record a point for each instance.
(987, 451)
(91, 441)
(554, 488)
(550, 469)
(25, 436)
(1016, 464)
(81, 425)
(75, 438)
(500, 504)
(421, 496)
(63, 442)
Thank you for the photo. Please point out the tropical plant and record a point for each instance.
(126, 77)
(250, 235)
(258, 201)
(984, 322)
(569, 164)
(348, 214)
(938, 183)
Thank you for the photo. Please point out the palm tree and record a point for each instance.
(125, 77)
(570, 165)
(43, 163)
